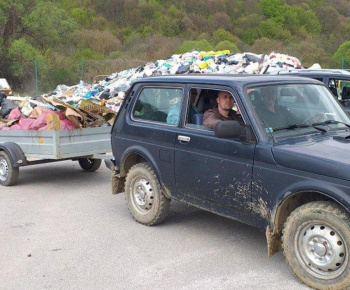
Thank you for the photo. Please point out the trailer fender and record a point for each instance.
(15, 153)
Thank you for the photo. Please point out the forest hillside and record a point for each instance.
(44, 43)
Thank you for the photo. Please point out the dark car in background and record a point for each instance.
(337, 80)
(288, 175)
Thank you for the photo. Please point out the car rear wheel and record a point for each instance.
(144, 196)
(316, 241)
(8, 173)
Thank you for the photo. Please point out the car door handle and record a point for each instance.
(183, 138)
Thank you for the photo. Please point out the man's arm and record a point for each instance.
(210, 119)
(291, 118)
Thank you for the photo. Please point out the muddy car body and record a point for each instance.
(293, 179)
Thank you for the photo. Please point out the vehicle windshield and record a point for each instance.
(294, 109)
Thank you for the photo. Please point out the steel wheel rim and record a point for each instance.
(321, 249)
(4, 169)
(142, 195)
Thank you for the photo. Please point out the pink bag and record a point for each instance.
(15, 114)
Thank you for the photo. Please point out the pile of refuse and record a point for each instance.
(95, 105)
(196, 62)
(45, 113)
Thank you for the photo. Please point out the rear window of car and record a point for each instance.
(161, 105)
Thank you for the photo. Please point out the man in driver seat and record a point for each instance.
(273, 116)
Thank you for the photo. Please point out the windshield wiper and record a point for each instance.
(327, 122)
(296, 126)
(291, 127)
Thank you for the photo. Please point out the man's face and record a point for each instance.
(193, 96)
(225, 101)
(269, 95)
(270, 99)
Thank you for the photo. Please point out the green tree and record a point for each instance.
(273, 30)
(246, 27)
(20, 50)
(81, 16)
(308, 19)
(345, 29)
(266, 46)
(221, 35)
(343, 53)
(200, 45)
(272, 8)
(227, 45)
(332, 17)
(41, 22)
(309, 52)
(48, 25)
(29, 29)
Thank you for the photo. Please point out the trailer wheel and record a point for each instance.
(8, 173)
(89, 164)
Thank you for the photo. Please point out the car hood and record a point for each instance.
(327, 155)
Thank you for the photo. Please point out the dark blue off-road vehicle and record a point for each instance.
(284, 165)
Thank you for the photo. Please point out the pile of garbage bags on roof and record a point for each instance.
(94, 105)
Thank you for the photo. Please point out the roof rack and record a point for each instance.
(333, 71)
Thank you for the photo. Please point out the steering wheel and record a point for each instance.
(320, 117)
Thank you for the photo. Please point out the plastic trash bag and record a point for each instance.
(6, 106)
(183, 69)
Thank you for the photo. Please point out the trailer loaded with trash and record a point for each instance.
(19, 148)
(35, 132)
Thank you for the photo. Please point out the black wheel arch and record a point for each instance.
(132, 157)
(285, 207)
(15, 153)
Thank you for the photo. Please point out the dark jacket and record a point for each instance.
(212, 116)
(280, 118)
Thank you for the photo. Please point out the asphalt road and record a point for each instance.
(61, 228)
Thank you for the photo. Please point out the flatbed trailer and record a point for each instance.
(20, 148)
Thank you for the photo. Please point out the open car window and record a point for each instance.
(201, 100)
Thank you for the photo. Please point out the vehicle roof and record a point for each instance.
(314, 72)
(228, 79)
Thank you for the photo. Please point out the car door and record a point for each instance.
(150, 128)
(213, 169)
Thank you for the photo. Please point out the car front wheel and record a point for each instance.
(316, 241)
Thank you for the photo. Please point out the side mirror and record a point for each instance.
(232, 129)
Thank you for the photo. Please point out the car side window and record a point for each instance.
(333, 87)
(161, 105)
(341, 88)
(201, 100)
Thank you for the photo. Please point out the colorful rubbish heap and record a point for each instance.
(196, 62)
(94, 105)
